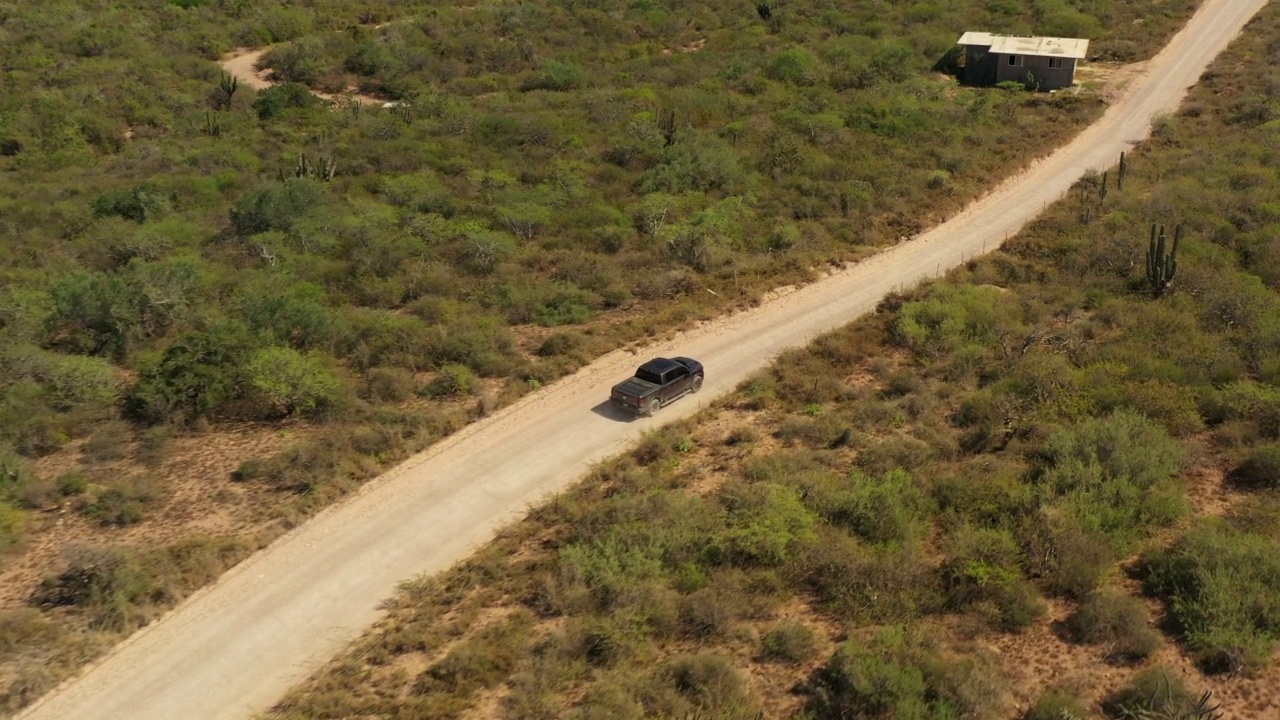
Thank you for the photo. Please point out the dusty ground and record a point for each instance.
(198, 498)
(232, 649)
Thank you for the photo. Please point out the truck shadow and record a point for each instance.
(610, 411)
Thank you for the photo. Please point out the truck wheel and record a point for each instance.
(653, 407)
(697, 384)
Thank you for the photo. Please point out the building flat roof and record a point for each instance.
(1024, 45)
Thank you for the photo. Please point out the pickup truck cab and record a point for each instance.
(656, 383)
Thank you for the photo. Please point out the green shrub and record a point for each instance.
(764, 523)
(75, 382)
(195, 376)
(889, 508)
(154, 445)
(121, 502)
(275, 100)
(988, 492)
(1261, 469)
(1057, 704)
(109, 441)
(12, 522)
(557, 75)
(981, 566)
(454, 379)
(392, 385)
(1155, 692)
(866, 584)
(790, 641)
(93, 314)
(277, 206)
(1218, 582)
(1069, 558)
(900, 674)
(1115, 475)
(288, 382)
(708, 680)
(1118, 622)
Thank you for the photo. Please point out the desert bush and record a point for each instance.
(454, 379)
(1218, 582)
(708, 613)
(1118, 622)
(764, 523)
(1068, 557)
(1115, 474)
(107, 583)
(482, 660)
(868, 584)
(790, 641)
(989, 491)
(154, 445)
(109, 441)
(1057, 704)
(275, 101)
(898, 674)
(981, 566)
(1261, 469)
(1154, 692)
(960, 323)
(195, 376)
(12, 522)
(74, 382)
(888, 508)
(93, 314)
(120, 502)
(560, 343)
(742, 435)
(707, 680)
(393, 385)
(287, 382)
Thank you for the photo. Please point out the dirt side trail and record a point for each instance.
(233, 649)
(242, 64)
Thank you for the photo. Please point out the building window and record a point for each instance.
(1055, 63)
(1015, 60)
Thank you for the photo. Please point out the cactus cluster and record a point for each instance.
(324, 168)
(212, 124)
(1162, 265)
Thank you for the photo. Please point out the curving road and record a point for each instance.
(234, 648)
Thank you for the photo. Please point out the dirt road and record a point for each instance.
(234, 648)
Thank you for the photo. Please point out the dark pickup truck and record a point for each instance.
(658, 382)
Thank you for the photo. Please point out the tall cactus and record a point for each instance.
(667, 124)
(228, 84)
(1162, 266)
(1120, 173)
(1102, 189)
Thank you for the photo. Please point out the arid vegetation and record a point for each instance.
(1043, 486)
(221, 309)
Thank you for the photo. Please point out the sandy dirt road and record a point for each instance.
(234, 648)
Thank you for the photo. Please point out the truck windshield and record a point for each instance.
(647, 376)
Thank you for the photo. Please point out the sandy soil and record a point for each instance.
(234, 648)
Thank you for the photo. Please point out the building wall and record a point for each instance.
(1046, 78)
(979, 65)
